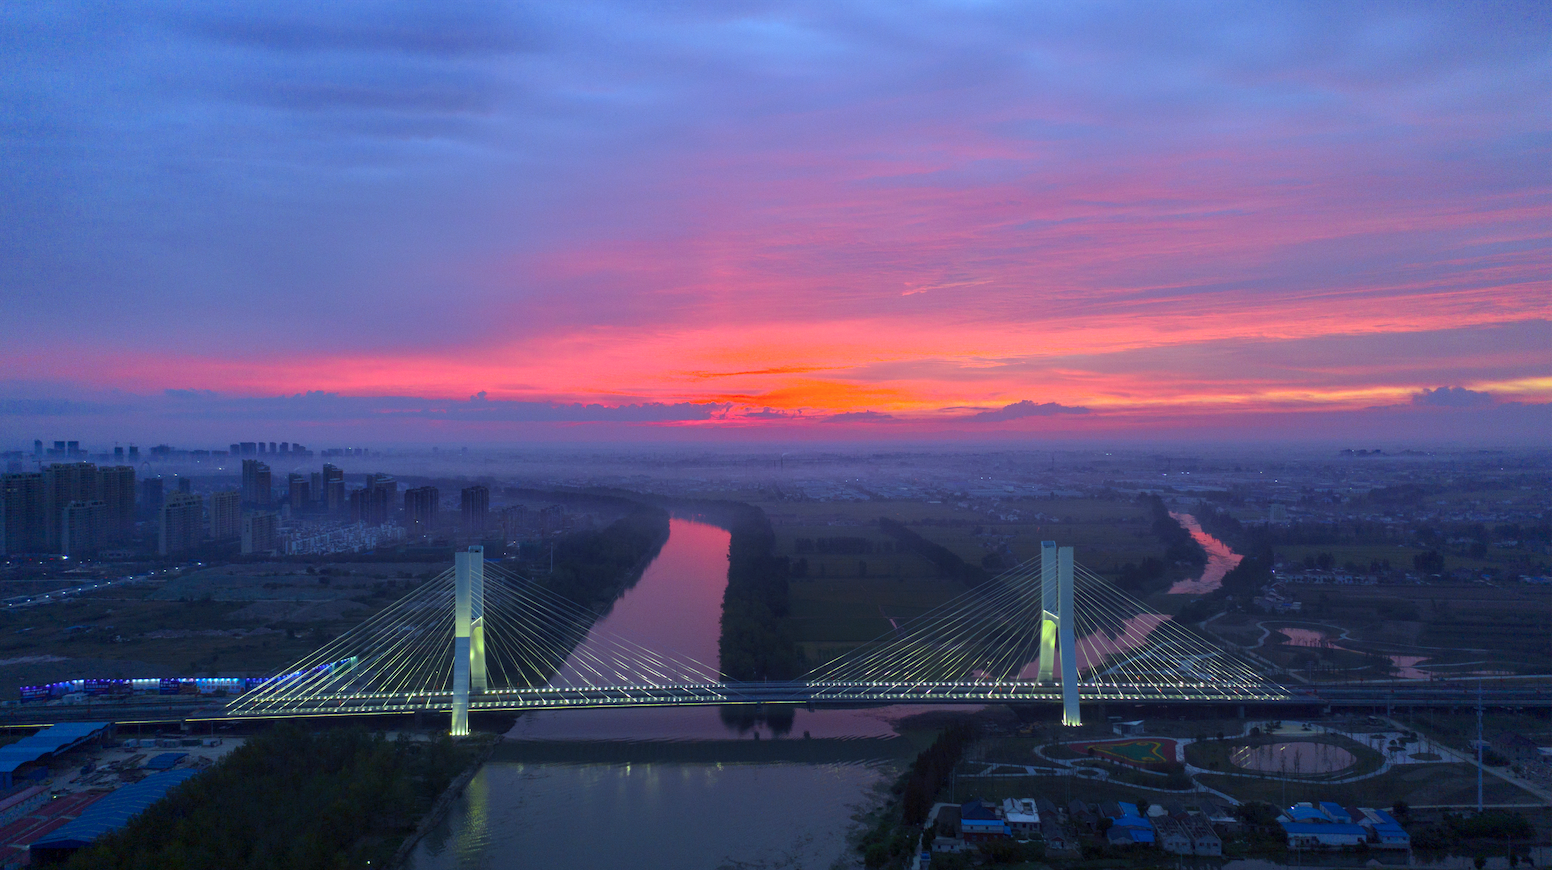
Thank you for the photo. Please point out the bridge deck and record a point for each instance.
(835, 694)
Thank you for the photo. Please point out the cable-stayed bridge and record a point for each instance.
(482, 638)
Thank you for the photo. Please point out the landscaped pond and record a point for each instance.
(1293, 757)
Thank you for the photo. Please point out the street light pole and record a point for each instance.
(1479, 746)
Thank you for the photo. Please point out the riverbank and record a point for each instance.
(444, 801)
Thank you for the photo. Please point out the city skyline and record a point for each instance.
(828, 223)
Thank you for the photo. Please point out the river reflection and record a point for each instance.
(1220, 560)
(651, 815)
(651, 812)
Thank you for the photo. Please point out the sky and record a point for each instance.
(722, 221)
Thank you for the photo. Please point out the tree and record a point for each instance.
(1430, 562)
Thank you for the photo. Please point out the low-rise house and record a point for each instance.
(1204, 840)
(1022, 817)
(1170, 836)
(979, 821)
(1059, 839)
(1223, 820)
(1081, 816)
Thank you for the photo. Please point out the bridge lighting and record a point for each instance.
(385, 664)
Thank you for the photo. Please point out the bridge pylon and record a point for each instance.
(1067, 620)
(468, 633)
(1058, 621)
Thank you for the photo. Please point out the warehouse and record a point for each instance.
(108, 814)
(45, 744)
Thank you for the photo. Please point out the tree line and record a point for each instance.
(289, 799)
(947, 561)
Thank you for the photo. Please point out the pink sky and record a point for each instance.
(1263, 221)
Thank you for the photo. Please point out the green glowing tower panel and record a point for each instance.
(1048, 621)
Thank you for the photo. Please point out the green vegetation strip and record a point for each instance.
(895, 829)
(290, 799)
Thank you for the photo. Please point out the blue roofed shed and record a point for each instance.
(108, 814)
(45, 744)
(1335, 811)
(1130, 828)
(166, 761)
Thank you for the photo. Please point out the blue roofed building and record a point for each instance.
(1127, 826)
(166, 761)
(1384, 830)
(1336, 813)
(108, 814)
(1320, 827)
(979, 820)
(45, 744)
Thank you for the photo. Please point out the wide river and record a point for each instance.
(674, 787)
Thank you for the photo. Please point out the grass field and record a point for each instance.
(239, 619)
(1059, 789)
(1417, 784)
(1105, 533)
(847, 599)
(1009, 750)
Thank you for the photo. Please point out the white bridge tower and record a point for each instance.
(1057, 626)
(468, 633)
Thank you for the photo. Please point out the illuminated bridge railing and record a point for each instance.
(481, 638)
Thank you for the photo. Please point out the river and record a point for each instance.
(1220, 560)
(671, 787)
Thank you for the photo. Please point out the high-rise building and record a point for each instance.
(421, 505)
(474, 505)
(225, 515)
(255, 483)
(369, 506)
(299, 493)
(182, 523)
(151, 497)
(259, 533)
(333, 495)
(23, 513)
(65, 482)
(116, 488)
(389, 488)
(83, 528)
